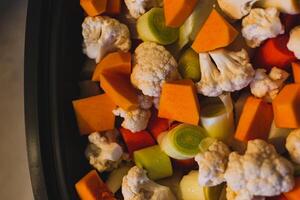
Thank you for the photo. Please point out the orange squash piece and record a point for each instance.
(177, 11)
(113, 7)
(119, 62)
(94, 114)
(296, 72)
(91, 187)
(119, 89)
(286, 107)
(179, 102)
(255, 121)
(295, 193)
(215, 33)
(93, 7)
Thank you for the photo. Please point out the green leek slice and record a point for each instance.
(151, 27)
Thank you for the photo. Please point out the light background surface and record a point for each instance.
(14, 175)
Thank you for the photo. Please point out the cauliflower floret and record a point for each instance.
(212, 164)
(152, 66)
(293, 145)
(268, 86)
(145, 101)
(102, 153)
(260, 25)
(134, 120)
(102, 35)
(137, 186)
(138, 7)
(232, 71)
(260, 172)
(294, 41)
(236, 9)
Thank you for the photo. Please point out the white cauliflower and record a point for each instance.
(232, 71)
(294, 41)
(212, 164)
(137, 186)
(261, 171)
(102, 35)
(103, 152)
(236, 9)
(134, 120)
(152, 66)
(138, 7)
(260, 25)
(268, 86)
(293, 145)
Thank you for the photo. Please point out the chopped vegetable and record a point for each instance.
(151, 27)
(213, 193)
(189, 187)
(287, 108)
(189, 66)
(239, 105)
(217, 119)
(256, 120)
(274, 52)
(182, 142)
(173, 182)
(296, 72)
(179, 102)
(154, 161)
(138, 7)
(91, 187)
(208, 40)
(114, 180)
(117, 62)
(120, 90)
(277, 137)
(157, 125)
(294, 41)
(94, 7)
(285, 6)
(133, 140)
(177, 11)
(113, 7)
(295, 193)
(293, 145)
(94, 114)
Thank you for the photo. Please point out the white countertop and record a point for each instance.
(14, 175)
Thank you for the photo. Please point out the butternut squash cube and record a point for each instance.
(93, 7)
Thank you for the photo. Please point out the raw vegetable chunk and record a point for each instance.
(151, 27)
(274, 52)
(177, 11)
(91, 187)
(255, 121)
(179, 102)
(296, 72)
(113, 7)
(114, 180)
(94, 114)
(136, 141)
(189, 66)
(154, 161)
(295, 193)
(93, 7)
(117, 62)
(190, 188)
(215, 33)
(287, 107)
(157, 125)
(120, 90)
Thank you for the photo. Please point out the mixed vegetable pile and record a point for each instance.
(191, 99)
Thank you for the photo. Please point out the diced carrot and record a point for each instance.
(93, 7)
(119, 62)
(188, 164)
(255, 121)
(286, 107)
(136, 141)
(177, 11)
(113, 7)
(295, 193)
(179, 102)
(281, 197)
(157, 125)
(296, 72)
(215, 33)
(94, 114)
(290, 21)
(91, 187)
(274, 52)
(119, 89)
